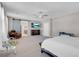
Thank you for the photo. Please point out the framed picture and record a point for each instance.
(35, 25)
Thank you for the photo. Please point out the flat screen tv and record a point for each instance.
(35, 25)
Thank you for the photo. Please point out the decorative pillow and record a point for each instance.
(64, 33)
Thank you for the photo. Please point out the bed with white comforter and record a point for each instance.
(62, 46)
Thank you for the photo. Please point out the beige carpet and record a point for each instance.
(29, 47)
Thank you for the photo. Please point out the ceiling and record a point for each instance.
(53, 9)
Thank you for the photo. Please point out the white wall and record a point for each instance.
(45, 23)
(6, 24)
(0, 20)
(10, 24)
(23, 16)
(3, 26)
(46, 29)
(24, 28)
(69, 23)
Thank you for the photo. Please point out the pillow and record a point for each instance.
(64, 33)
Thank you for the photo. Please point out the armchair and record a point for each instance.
(6, 47)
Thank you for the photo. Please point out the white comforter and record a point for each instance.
(62, 46)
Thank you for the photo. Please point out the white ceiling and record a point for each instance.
(53, 9)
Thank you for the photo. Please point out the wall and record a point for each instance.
(6, 24)
(0, 21)
(23, 16)
(46, 28)
(24, 28)
(69, 23)
(10, 24)
(45, 22)
(3, 22)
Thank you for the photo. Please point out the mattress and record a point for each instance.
(62, 46)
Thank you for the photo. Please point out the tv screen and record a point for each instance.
(35, 25)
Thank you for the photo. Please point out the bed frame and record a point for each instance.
(47, 52)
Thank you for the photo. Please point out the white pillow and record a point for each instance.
(64, 35)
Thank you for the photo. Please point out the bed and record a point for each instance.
(61, 46)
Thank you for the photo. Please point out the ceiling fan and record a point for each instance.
(40, 14)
